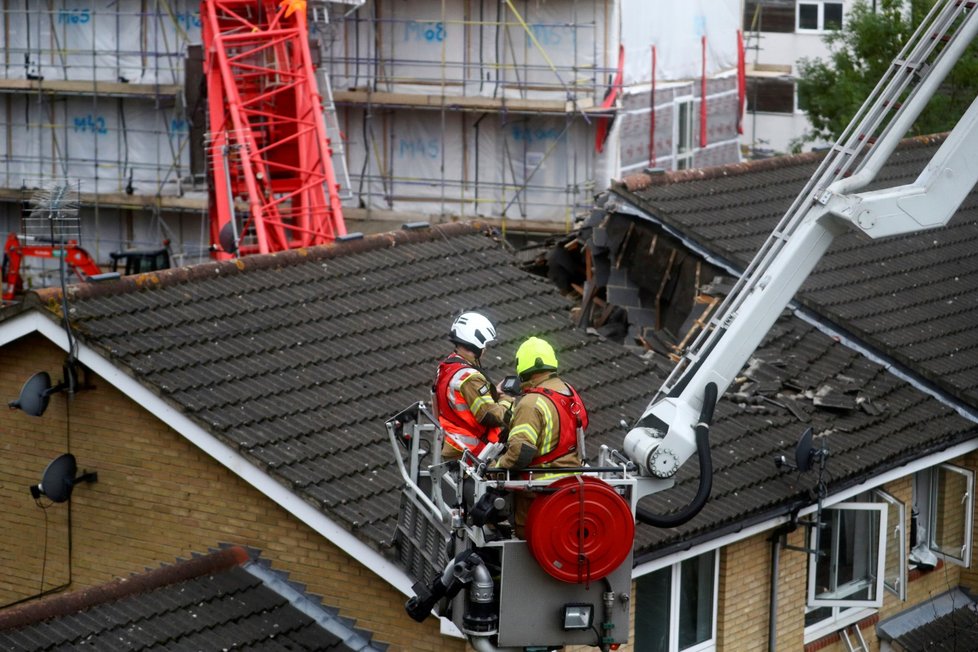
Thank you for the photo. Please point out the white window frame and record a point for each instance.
(841, 617)
(897, 533)
(931, 480)
(877, 600)
(682, 159)
(820, 29)
(675, 590)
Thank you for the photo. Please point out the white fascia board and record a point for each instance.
(33, 321)
(872, 483)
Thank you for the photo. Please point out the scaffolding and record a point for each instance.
(93, 93)
(450, 110)
(502, 109)
(515, 110)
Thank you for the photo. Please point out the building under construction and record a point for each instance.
(517, 111)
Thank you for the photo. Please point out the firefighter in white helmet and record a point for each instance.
(543, 431)
(468, 406)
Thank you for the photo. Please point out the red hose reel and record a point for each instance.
(581, 532)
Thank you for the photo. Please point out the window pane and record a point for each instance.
(774, 16)
(855, 556)
(685, 143)
(894, 569)
(832, 15)
(807, 16)
(848, 571)
(652, 612)
(696, 600)
(817, 615)
(771, 95)
(948, 515)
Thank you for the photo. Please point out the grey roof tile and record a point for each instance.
(221, 605)
(910, 296)
(298, 361)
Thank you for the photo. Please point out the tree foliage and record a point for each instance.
(833, 89)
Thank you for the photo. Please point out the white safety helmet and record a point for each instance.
(473, 330)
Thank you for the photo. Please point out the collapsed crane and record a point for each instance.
(268, 147)
(499, 590)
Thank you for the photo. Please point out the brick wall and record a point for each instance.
(744, 591)
(157, 498)
(744, 595)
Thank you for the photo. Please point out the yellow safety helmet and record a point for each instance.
(535, 355)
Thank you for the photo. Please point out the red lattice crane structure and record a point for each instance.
(268, 145)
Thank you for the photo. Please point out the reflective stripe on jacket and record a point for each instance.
(559, 439)
(456, 417)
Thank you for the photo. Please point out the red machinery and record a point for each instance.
(14, 252)
(268, 143)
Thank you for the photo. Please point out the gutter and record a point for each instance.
(782, 515)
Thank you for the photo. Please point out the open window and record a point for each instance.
(895, 565)
(848, 570)
(944, 498)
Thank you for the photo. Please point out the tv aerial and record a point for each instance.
(59, 479)
(808, 457)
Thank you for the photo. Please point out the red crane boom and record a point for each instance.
(268, 143)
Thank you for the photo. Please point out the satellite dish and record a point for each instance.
(34, 396)
(803, 451)
(59, 479)
(806, 455)
(227, 239)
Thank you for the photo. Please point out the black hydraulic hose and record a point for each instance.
(706, 470)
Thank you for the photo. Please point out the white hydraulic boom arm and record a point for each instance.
(663, 439)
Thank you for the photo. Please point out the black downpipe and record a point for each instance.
(706, 470)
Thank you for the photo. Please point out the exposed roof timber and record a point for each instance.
(623, 205)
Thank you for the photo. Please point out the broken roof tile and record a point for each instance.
(301, 361)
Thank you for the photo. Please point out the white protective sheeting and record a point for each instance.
(422, 46)
(105, 40)
(102, 143)
(499, 49)
(515, 167)
(546, 50)
(676, 29)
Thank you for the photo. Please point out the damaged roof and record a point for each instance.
(910, 299)
(297, 359)
(913, 298)
(228, 599)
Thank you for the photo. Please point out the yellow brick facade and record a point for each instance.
(743, 592)
(157, 498)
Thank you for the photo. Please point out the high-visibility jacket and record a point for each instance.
(456, 417)
(571, 415)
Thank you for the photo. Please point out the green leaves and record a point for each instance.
(832, 90)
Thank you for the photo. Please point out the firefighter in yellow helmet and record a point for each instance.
(469, 409)
(546, 417)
